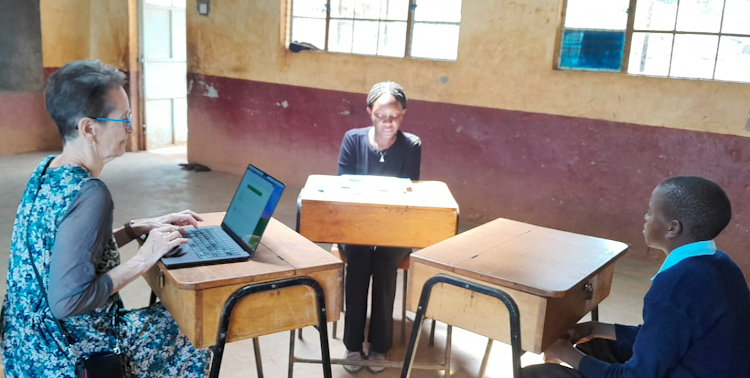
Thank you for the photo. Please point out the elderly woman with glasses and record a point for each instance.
(64, 260)
(381, 150)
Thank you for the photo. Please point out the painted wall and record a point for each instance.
(511, 136)
(66, 30)
(20, 47)
(22, 80)
(109, 33)
(85, 29)
(505, 60)
(37, 38)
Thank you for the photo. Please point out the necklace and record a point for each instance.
(375, 145)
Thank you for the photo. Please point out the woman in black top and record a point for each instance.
(381, 150)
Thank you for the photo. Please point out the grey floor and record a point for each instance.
(150, 184)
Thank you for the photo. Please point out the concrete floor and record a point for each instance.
(150, 184)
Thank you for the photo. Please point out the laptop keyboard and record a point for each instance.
(212, 242)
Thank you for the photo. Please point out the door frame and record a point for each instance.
(141, 80)
(142, 138)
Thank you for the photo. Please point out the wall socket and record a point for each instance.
(204, 7)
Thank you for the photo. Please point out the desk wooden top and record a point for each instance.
(425, 194)
(522, 256)
(282, 253)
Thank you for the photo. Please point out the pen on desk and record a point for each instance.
(320, 190)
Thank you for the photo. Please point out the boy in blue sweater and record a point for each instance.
(695, 320)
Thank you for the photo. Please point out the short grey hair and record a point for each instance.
(78, 90)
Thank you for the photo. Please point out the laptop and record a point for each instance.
(239, 235)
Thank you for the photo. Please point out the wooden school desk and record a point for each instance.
(195, 296)
(554, 277)
(333, 209)
(331, 212)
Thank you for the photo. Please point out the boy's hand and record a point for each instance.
(562, 351)
(584, 332)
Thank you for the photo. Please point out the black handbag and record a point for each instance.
(104, 364)
(98, 365)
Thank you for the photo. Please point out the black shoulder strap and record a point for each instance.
(68, 337)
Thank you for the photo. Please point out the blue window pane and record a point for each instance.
(598, 50)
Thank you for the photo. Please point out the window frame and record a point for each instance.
(630, 30)
(410, 22)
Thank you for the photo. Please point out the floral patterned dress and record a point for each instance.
(32, 345)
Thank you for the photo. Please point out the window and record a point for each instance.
(698, 39)
(168, 3)
(396, 28)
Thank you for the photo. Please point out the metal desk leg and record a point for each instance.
(448, 348)
(226, 315)
(432, 333)
(291, 355)
(403, 309)
(258, 360)
(296, 228)
(153, 299)
(485, 359)
(299, 208)
(343, 301)
(515, 321)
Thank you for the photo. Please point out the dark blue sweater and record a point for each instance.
(696, 323)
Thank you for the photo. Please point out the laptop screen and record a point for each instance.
(252, 207)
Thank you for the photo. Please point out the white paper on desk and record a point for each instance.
(360, 184)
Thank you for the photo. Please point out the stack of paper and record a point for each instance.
(373, 184)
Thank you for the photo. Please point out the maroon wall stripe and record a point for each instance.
(48, 71)
(25, 125)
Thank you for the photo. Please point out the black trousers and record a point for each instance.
(381, 264)
(601, 349)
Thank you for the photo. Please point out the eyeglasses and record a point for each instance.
(129, 121)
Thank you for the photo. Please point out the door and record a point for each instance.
(164, 72)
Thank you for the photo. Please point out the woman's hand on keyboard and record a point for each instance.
(183, 218)
(160, 241)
